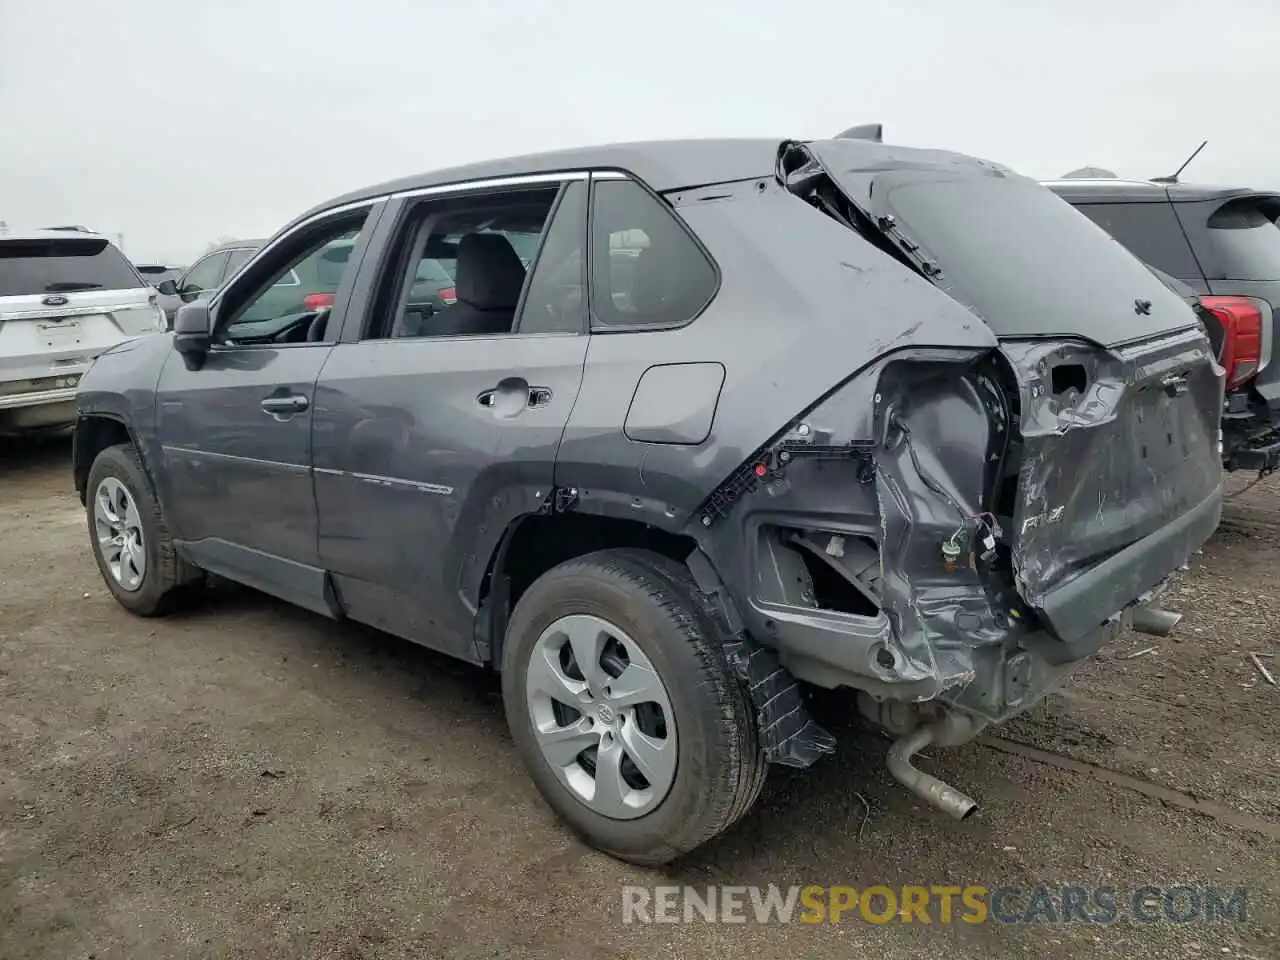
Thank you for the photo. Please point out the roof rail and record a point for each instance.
(865, 131)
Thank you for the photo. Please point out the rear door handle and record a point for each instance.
(538, 396)
(293, 403)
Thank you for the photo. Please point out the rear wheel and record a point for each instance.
(130, 540)
(624, 709)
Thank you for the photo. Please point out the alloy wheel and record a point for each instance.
(601, 716)
(118, 528)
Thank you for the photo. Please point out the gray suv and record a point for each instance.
(757, 416)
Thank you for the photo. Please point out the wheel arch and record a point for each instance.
(93, 433)
(533, 543)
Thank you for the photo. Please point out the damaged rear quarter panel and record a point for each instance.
(938, 425)
(804, 303)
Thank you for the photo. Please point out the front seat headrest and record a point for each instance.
(490, 274)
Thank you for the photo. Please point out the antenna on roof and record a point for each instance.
(1176, 173)
(866, 131)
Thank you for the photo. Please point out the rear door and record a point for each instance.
(1118, 396)
(433, 432)
(63, 300)
(236, 433)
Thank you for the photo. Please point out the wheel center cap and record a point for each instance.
(605, 713)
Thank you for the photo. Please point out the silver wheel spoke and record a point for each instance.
(611, 789)
(655, 759)
(104, 509)
(561, 745)
(546, 677)
(588, 637)
(637, 684)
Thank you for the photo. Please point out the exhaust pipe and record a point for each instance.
(929, 789)
(1155, 621)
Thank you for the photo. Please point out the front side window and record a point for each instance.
(205, 275)
(265, 305)
(30, 267)
(646, 270)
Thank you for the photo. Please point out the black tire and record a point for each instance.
(168, 578)
(720, 767)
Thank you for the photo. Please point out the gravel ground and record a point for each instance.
(249, 780)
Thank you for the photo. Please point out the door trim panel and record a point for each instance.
(298, 583)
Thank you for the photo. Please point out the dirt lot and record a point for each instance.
(249, 780)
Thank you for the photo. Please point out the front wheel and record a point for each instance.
(624, 709)
(129, 538)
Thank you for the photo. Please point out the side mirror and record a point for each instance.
(192, 328)
(167, 288)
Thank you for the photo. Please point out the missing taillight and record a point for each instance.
(1241, 351)
(1069, 376)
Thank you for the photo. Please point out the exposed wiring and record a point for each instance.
(986, 521)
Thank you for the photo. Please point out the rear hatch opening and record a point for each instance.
(1107, 474)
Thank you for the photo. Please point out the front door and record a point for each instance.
(438, 422)
(236, 433)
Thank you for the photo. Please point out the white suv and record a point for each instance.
(65, 296)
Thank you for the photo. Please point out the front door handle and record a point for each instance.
(292, 403)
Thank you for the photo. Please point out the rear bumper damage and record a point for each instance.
(953, 533)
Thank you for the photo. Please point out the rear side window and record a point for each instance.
(1151, 231)
(646, 269)
(63, 265)
(1243, 241)
(237, 259)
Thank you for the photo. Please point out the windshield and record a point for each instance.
(1026, 261)
(62, 265)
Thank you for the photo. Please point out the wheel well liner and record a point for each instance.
(93, 434)
(534, 543)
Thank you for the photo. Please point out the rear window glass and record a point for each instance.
(1026, 261)
(1245, 241)
(1151, 232)
(63, 265)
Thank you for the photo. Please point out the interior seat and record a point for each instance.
(489, 279)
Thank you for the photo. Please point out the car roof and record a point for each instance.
(234, 245)
(1116, 189)
(52, 235)
(663, 164)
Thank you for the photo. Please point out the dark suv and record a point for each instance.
(756, 416)
(1224, 243)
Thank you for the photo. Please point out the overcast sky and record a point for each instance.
(177, 122)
